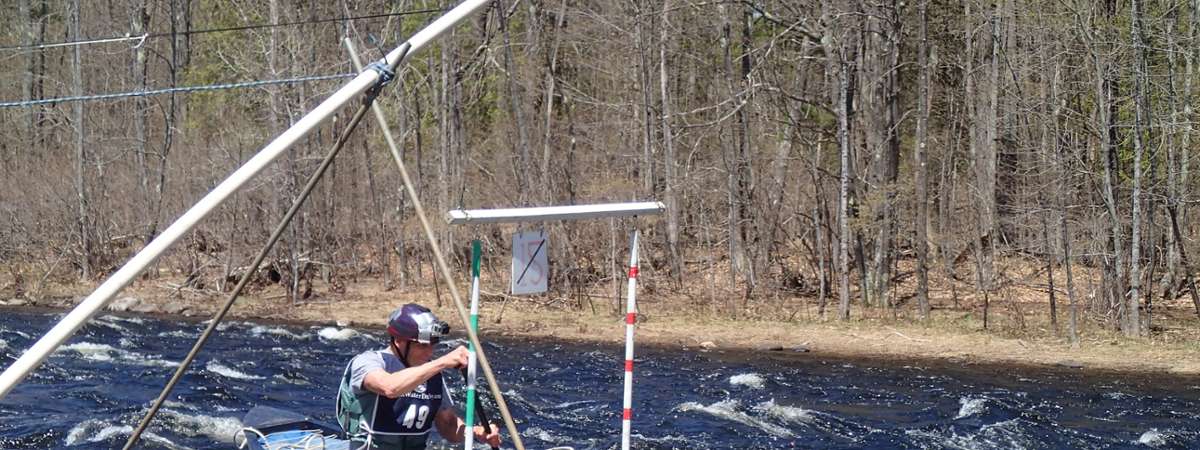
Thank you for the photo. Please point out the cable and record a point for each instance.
(185, 89)
(127, 37)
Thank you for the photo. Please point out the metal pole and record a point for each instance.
(248, 275)
(469, 436)
(35, 355)
(630, 320)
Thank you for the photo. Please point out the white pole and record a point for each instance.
(33, 357)
(469, 433)
(630, 319)
(548, 213)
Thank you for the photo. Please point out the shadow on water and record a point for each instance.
(92, 391)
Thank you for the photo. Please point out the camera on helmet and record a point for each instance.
(440, 329)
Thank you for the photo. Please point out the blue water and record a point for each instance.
(90, 394)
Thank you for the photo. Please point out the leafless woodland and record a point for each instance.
(843, 151)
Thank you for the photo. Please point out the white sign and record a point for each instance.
(530, 265)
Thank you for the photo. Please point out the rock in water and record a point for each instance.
(174, 308)
(123, 304)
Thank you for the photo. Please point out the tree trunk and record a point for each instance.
(987, 169)
(446, 130)
(84, 219)
(843, 112)
(743, 165)
(840, 54)
(645, 111)
(669, 153)
(971, 99)
(888, 166)
(920, 179)
(1050, 271)
(1132, 326)
(26, 29)
(819, 231)
(737, 252)
(947, 185)
(139, 19)
(551, 73)
(524, 167)
(1066, 244)
(160, 175)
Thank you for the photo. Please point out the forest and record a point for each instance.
(1007, 159)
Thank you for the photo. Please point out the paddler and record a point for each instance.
(391, 398)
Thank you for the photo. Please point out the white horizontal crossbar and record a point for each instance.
(545, 213)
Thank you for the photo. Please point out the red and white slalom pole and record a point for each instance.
(630, 319)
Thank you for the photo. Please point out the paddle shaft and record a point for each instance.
(483, 420)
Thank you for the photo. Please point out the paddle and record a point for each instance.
(487, 425)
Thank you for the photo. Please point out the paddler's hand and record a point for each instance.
(493, 438)
(455, 359)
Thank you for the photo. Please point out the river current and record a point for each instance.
(93, 391)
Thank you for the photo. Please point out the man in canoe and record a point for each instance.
(391, 398)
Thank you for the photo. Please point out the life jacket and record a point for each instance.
(401, 423)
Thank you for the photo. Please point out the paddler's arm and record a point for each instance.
(392, 385)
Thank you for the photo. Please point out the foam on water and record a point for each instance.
(107, 353)
(1116, 395)
(336, 334)
(785, 413)
(1005, 434)
(106, 321)
(225, 325)
(179, 334)
(177, 405)
(570, 404)
(225, 371)
(673, 440)
(16, 332)
(752, 380)
(220, 429)
(260, 330)
(3, 344)
(728, 409)
(970, 407)
(544, 435)
(93, 430)
(133, 320)
(285, 379)
(1153, 438)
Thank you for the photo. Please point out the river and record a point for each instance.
(93, 391)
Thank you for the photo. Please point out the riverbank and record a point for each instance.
(951, 336)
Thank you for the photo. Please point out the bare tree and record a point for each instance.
(921, 225)
(84, 219)
(840, 61)
(669, 151)
(1132, 325)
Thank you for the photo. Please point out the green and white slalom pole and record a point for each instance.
(630, 320)
(469, 434)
